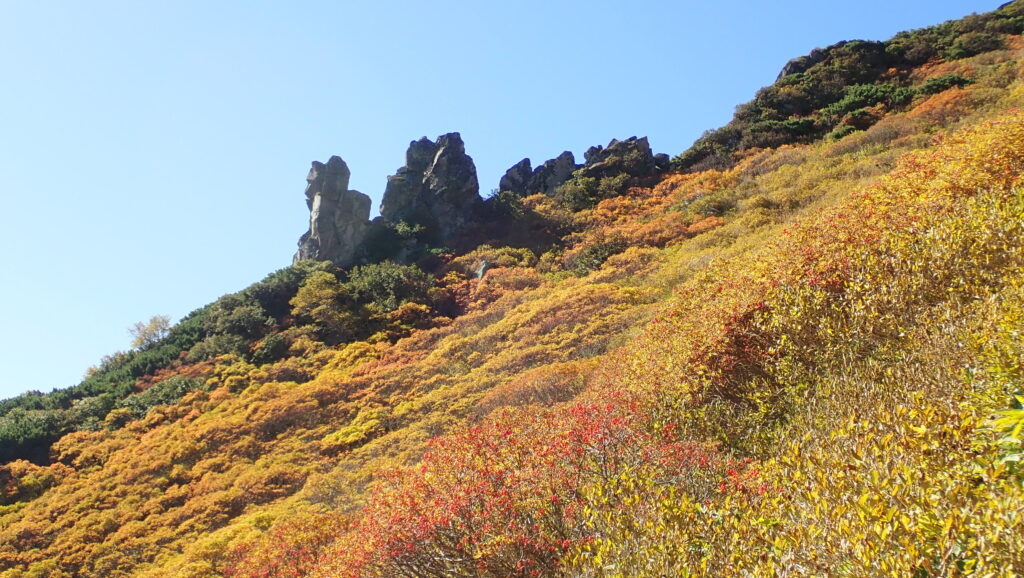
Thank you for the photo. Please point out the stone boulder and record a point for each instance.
(436, 189)
(338, 217)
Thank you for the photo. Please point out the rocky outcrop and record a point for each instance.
(436, 189)
(631, 156)
(437, 195)
(544, 179)
(802, 63)
(552, 173)
(338, 217)
(517, 178)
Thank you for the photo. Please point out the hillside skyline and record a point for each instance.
(172, 143)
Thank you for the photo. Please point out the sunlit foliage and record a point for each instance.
(802, 360)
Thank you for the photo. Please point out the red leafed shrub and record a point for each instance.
(290, 549)
(509, 498)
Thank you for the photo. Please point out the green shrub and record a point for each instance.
(276, 289)
(943, 83)
(505, 205)
(217, 345)
(164, 393)
(973, 43)
(384, 287)
(27, 434)
(579, 193)
(841, 131)
(773, 133)
(591, 257)
(237, 315)
(865, 95)
(272, 348)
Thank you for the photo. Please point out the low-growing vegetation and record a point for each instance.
(797, 354)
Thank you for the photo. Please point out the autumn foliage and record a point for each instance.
(805, 361)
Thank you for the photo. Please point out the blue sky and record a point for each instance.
(154, 153)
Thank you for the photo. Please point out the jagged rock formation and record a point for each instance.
(436, 189)
(517, 178)
(437, 195)
(338, 217)
(631, 156)
(552, 173)
(520, 179)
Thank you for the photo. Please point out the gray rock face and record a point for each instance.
(802, 63)
(482, 268)
(631, 156)
(517, 178)
(338, 217)
(437, 188)
(524, 182)
(552, 173)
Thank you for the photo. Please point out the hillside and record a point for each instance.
(794, 349)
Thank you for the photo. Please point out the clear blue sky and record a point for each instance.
(153, 154)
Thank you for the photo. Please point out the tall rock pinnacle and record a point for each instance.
(437, 188)
(338, 217)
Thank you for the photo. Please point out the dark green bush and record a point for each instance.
(276, 289)
(712, 150)
(273, 348)
(215, 345)
(865, 95)
(772, 133)
(384, 287)
(841, 131)
(238, 315)
(28, 434)
(973, 43)
(591, 257)
(88, 413)
(580, 193)
(164, 393)
(943, 83)
(505, 205)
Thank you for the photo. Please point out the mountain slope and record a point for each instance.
(772, 366)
